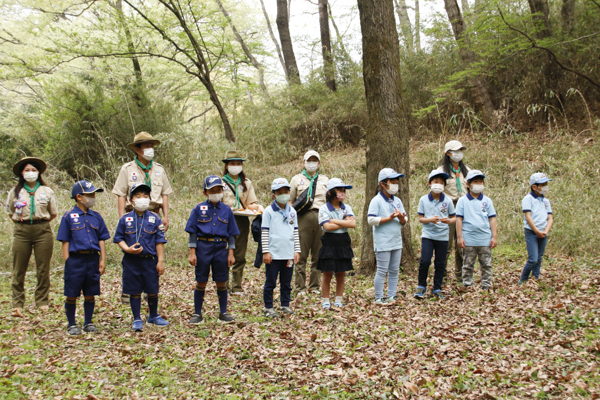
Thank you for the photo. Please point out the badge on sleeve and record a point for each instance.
(134, 176)
(152, 220)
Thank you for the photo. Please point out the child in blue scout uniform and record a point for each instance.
(142, 242)
(82, 233)
(212, 231)
(476, 230)
(335, 256)
(387, 215)
(280, 245)
(436, 212)
(538, 221)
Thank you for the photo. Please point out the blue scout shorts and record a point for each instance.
(139, 274)
(82, 273)
(215, 254)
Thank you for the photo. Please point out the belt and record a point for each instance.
(84, 252)
(29, 222)
(212, 239)
(141, 255)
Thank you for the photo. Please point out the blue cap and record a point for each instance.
(537, 178)
(138, 186)
(279, 183)
(211, 181)
(337, 183)
(389, 173)
(437, 172)
(474, 173)
(84, 187)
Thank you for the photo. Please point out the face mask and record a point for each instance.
(341, 196)
(456, 155)
(477, 188)
(437, 187)
(235, 170)
(215, 198)
(311, 166)
(392, 189)
(282, 198)
(148, 154)
(90, 201)
(141, 204)
(544, 189)
(30, 176)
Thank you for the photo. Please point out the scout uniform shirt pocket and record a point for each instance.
(78, 231)
(223, 220)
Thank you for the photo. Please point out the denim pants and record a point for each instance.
(428, 247)
(535, 252)
(278, 267)
(388, 265)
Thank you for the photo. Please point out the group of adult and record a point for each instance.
(32, 205)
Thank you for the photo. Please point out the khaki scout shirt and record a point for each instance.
(248, 197)
(450, 189)
(131, 173)
(300, 183)
(45, 204)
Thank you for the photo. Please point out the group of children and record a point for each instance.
(212, 230)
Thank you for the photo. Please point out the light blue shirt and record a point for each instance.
(387, 236)
(430, 207)
(476, 214)
(281, 225)
(328, 212)
(540, 208)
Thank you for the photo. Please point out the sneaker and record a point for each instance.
(315, 291)
(90, 328)
(326, 306)
(287, 310)
(238, 293)
(301, 293)
(487, 288)
(338, 304)
(196, 319)
(226, 318)
(420, 293)
(270, 313)
(522, 282)
(439, 294)
(382, 301)
(73, 330)
(392, 299)
(137, 326)
(158, 321)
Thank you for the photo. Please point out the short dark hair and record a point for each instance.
(143, 189)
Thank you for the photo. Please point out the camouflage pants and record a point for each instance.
(470, 255)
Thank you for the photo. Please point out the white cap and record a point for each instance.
(311, 153)
(454, 145)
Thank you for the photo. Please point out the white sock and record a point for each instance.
(325, 301)
(338, 299)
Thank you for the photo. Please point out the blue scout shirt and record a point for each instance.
(281, 225)
(83, 230)
(388, 236)
(430, 207)
(210, 220)
(540, 208)
(133, 228)
(476, 214)
(328, 212)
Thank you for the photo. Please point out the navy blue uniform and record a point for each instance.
(139, 270)
(215, 222)
(83, 231)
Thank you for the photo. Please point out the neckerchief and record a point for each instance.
(310, 186)
(235, 184)
(146, 171)
(285, 211)
(458, 185)
(32, 201)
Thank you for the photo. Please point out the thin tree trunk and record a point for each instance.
(417, 26)
(405, 25)
(339, 36)
(274, 39)
(387, 131)
(328, 67)
(541, 16)
(285, 38)
(137, 68)
(567, 12)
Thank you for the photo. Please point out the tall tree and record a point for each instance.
(567, 12)
(387, 131)
(328, 67)
(417, 26)
(277, 48)
(283, 26)
(541, 16)
(405, 25)
(137, 69)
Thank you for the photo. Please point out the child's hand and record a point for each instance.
(461, 243)
(541, 234)
(493, 242)
(296, 258)
(267, 258)
(435, 219)
(102, 267)
(160, 268)
(445, 220)
(135, 249)
(230, 259)
(192, 260)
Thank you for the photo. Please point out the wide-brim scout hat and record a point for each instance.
(233, 155)
(84, 187)
(474, 173)
(143, 137)
(389, 173)
(337, 183)
(454, 145)
(18, 167)
(137, 187)
(280, 183)
(437, 172)
(538, 178)
(211, 181)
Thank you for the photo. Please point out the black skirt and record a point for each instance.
(336, 253)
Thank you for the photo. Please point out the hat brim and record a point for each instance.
(153, 141)
(96, 190)
(233, 159)
(393, 176)
(139, 187)
(476, 176)
(340, 186)
(442, 174)
(279, 187)
(18, 167)
(543, 180)
(213, 185)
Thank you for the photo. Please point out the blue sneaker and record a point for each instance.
(158, 321)
(438, 293)
(420, 293)
(138, 325)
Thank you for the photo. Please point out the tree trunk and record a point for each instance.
(278, 49)
(567, 12)
(541, 17)
(417, 26)
(405, 25)
(283, 26)
(339, 36)
(387, 131)
(328, 67)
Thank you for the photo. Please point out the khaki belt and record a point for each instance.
(29, 222)
(212, 239)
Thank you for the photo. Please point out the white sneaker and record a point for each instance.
(301, 293)
(238, 293)
(382, 301)
(391, 299)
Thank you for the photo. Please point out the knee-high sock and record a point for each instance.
(88, 310)
(70, 307)
(135, 301)
(222, 294)
(198, 299)
(153, 305)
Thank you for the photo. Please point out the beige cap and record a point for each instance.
(311, 153)
(454, 145)
(143, 137)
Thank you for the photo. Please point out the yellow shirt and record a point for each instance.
(248, 197)
(450, 189)
(45, 204)
(131, 174)
(300, 183)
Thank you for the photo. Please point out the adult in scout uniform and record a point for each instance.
(315, 186)
(31, 205)
(238, 193)
(143, 169)
(456, 187)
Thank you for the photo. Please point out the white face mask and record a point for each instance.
(456, 155)
(141, 204)
(215, 198)
(311, 166)
(235, 170)
(30, 176)
(477, 189)
(544, 189)
(148, 154)
(437, 187)
(282, 198)
(392, 189)
(89, 201)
